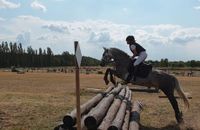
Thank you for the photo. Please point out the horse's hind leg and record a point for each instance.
(169, 92)
(178, 114)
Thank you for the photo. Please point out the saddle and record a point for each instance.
(143, 69)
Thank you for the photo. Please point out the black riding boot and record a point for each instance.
(135, 72)
(130, 75)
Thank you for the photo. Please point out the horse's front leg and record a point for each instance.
(113, 72)
(106, 76)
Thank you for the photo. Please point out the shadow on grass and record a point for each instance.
(168, 127)
(142, 127)
(144, 90)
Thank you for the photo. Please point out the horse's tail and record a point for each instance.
(181, 93)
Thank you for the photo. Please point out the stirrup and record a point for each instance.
(129, 77)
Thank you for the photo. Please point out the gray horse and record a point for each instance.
(158, 79)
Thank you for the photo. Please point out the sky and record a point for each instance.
(165, 28)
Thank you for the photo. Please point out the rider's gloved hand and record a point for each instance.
(132, 57)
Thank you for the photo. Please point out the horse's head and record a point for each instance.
(106, 57)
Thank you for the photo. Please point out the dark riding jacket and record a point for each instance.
(138, 47)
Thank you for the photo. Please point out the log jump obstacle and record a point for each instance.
(109, 110)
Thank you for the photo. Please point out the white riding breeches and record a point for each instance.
(142, 56)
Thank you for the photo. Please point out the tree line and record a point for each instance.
(13, 54)
(166, 63)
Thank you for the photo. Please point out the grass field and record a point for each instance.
(38, 101)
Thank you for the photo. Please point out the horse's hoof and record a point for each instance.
(124, 83)
(106, 82)
(115, 84)
(180, 121)
(179, 118)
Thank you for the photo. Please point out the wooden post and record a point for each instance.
(78, 117)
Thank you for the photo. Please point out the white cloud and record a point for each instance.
(28, 18)
(57, 28)
(150, 37)
(162, 27)
(23, 38)
(6, 4)
(2, 19)
(103, 37)
(193, 48)
(197, 8)
(48, 37)
(185, 35)
(38, 6)
(159, 40)
(58, 0)
(125, 10)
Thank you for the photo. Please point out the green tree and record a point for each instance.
(164, 62)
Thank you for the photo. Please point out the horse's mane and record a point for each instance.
(119, 52)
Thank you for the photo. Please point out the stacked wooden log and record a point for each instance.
(111, 110)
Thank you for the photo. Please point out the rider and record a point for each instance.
(137, 50)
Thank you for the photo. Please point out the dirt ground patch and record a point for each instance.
(38, 101)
